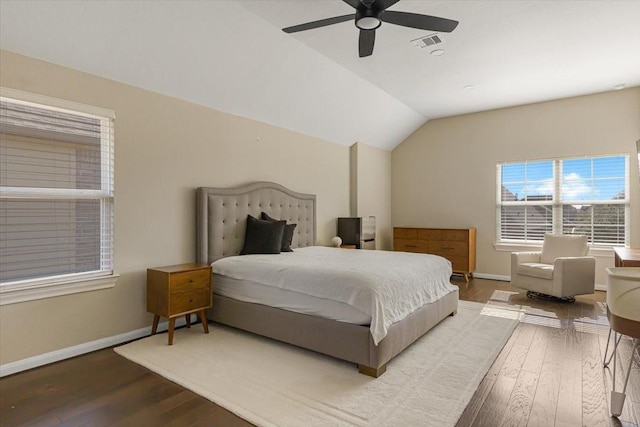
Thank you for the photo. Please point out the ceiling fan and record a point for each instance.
(370, 14)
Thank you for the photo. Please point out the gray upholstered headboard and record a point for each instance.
(221, 215)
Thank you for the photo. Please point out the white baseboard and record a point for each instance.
(77, 350)
(599, 287)
(492, 277)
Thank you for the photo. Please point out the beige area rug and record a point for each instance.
(273, 384)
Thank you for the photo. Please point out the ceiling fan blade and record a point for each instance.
(384, 4)
(318, 24)
(353, 3)
(366, 42)
(421, 22)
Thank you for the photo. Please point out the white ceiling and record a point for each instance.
(233, 56)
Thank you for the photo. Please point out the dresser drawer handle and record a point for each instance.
(445, 247)
(411, 246)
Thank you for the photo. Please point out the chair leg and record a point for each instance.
(618, 398)
(606, 362)
(539, 295)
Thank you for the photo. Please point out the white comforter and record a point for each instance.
(386, 285)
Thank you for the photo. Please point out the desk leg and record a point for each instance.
(154, 328)
(187, 317)
(203, 320)
(172, 324)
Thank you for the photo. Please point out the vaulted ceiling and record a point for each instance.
(233, 56)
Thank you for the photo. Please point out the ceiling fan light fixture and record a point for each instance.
(368, 19)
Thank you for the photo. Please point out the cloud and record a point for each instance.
(574, 187)
(545, 188)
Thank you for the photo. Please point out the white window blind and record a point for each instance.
(56, 192)
(587, 196)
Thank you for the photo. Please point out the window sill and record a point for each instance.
(22, 292)
(599, 251)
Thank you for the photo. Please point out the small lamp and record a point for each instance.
(336, 241)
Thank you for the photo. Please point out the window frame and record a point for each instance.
(558, 204)
(51, 286)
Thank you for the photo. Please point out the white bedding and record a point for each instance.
(388, 286)
(248, 291)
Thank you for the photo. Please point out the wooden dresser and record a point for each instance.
(458, 245)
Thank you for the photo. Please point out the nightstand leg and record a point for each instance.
(187, 317)
(203, 320)
(172, 324)
(154, 328)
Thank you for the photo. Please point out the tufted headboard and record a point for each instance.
(221, 216)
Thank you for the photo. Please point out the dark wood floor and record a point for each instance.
(549, 373)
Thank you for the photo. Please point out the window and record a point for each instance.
(588, 195)
(56, 191)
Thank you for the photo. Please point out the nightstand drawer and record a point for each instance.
(189, 301)
(190, 280)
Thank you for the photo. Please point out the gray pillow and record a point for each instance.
(287, 236)
(262, 237)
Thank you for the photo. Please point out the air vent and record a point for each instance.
(427, 41)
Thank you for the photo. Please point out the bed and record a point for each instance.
(221, 222)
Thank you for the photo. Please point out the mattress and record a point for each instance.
(387, 286)
(248, 291)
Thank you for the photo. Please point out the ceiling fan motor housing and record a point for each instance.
(368, 19)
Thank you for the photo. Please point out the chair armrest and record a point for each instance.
(574, 275)
(567, 262)
(518, 258)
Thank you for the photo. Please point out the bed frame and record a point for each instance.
(221, 223)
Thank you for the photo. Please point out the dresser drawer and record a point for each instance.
(429, 234)
(447, 249)
(405, 233)
(459, 263)
(456, 245)
(189, 301)
(410, 245)
(198, 279)
(455, 235)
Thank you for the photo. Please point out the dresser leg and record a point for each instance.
(154, 328)
(187, 318)
(203, 320)
(172, 324)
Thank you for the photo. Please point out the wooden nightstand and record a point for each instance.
(178, 290)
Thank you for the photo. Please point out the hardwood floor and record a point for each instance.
(549, 373)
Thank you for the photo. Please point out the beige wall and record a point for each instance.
(444, 175)
(165, 148)
(371, 189)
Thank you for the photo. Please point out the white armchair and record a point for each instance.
(560, 271)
